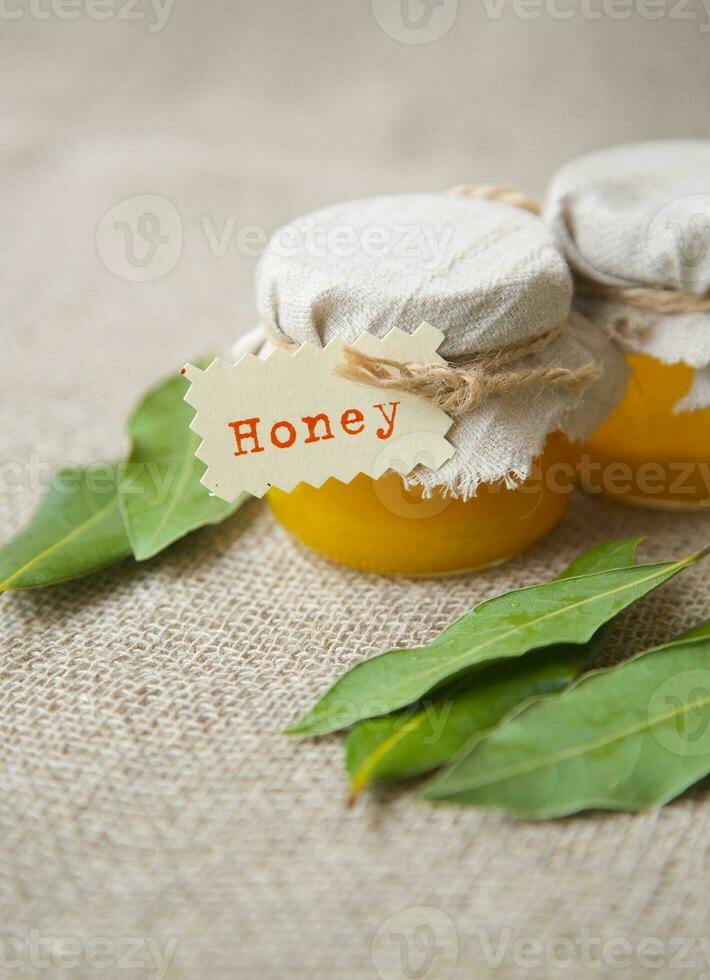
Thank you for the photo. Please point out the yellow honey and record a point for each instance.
(646, 453)
(379, 526)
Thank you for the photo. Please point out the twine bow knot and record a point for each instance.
(457, 390)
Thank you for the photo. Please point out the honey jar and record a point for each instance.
(634, 223)
(523, 374)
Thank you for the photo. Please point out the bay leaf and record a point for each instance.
(77, 529)
(431, 733)
(604, 557)
(566, 610)
(161, 496)
(702, 630)
(415, 741)
(624, 738)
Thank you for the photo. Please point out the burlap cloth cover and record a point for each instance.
(144, 788)
(639, 215)
(488, 275)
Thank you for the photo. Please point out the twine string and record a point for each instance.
(458, 388)
(463, 385)
(501, 193)
(665, 301)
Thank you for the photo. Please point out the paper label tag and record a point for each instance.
(289, 418)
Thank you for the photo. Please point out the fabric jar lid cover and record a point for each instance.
(639, 215)
(486, 274)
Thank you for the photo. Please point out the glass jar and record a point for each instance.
(379, 526)
(646, 453)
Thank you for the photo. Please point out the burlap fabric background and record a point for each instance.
(145, 790)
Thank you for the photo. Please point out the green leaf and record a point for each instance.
(625, 738)
(566, 610)
(411, 742)
(698, 631)
(77, 529)
(603, 557)
(161, 496)
(421, 738)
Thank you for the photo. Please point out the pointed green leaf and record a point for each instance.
(603, 557)
(77, 529)
(429, 734)
(698, 631)
(625, 738)
(161, 496)
(414, 741)
(567, 610)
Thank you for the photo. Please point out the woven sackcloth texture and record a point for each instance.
(145, 790)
